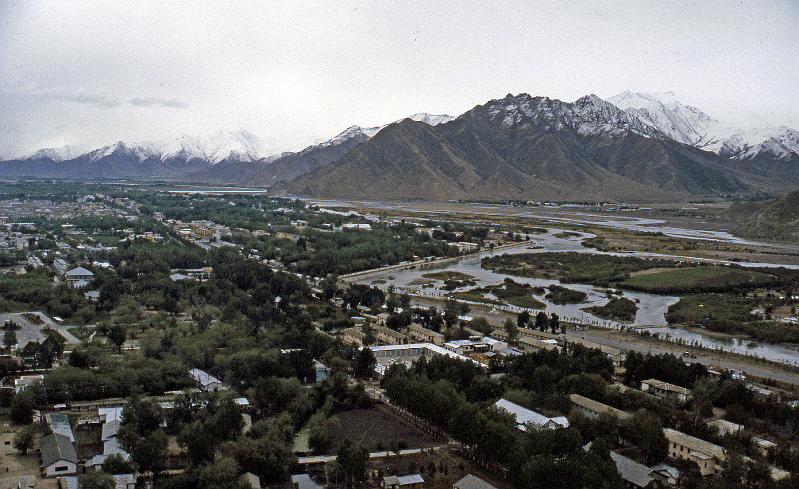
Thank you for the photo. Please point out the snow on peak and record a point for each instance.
(62, 153)
(431, 119)
(589, 115)
(213, 148)
(689, 125)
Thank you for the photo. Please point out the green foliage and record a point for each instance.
(617, 308)
(701, 278)
(95, 480)
(563, 295)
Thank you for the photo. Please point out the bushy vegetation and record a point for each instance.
(617, 308)
(563, 295)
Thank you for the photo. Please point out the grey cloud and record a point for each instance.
(86, 99)
(158, 102)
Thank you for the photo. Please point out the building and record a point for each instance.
(206, 382)
(25, 381)
(78, 274)
(592, 409)
(634, 475)
(59, 423)
(420, 334)
(413, 351)
(464, 246)
(665, 390)
(252, 481)
(526, 417)
(726, 427)
(387, 335)
(413, 481)
(471, 482)
(304, 481)
(58, 456)
(706, 455)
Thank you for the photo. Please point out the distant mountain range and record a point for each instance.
(634, 146)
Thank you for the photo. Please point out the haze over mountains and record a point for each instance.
(633, 146)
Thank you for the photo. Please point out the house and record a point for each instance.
(124, 481)
(665, 390)
(58, 456)
(464, 246)
(706, 455)
(59, 423)
(725, 427)
(763, 445)
(592, 409)
(206, 382)
(25, 381)
(413, 481)
(304, 481)
(471, 482)
(526, 417)
(92, 295)
(666, 475)
(77, 274)
(634, 475)
(322, 371)
(420, 334)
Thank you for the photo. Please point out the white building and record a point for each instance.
(526, 418)
(58, 456)
(206, 382)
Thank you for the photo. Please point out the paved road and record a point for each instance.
(627, 341)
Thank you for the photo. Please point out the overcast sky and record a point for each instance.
(91, 73)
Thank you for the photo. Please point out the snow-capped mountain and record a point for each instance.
(62, 153)
(238, 145)
(367, 132)
(690, 125)
(589, 115)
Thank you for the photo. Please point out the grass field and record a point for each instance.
(378, 429)
(705, 278)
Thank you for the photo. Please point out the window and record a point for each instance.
(61, 468)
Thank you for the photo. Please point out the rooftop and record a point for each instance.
(694, 444)
(526, 416)
(57, 447)
(471, 482)
(667, 386)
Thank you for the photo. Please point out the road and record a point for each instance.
(627, 341)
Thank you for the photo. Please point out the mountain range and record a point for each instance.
(634, 146)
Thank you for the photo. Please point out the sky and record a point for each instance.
(293, 73)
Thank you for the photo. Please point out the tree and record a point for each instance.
(351, 459)
(226, 422)
(554, 323)
(22, 408)
(645, 430)
(95, 480)
(115, 464)
(512, 330)
(9, 338)
(23, 439)
(321, 428)
(364, 363)
(198, 442)
(150, 452)
(541, 321)
(117, 336)
(523, 319)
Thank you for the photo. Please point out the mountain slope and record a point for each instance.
(689, 125)
(522, 147)
(778, 219)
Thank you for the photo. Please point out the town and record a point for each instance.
(154, 338)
